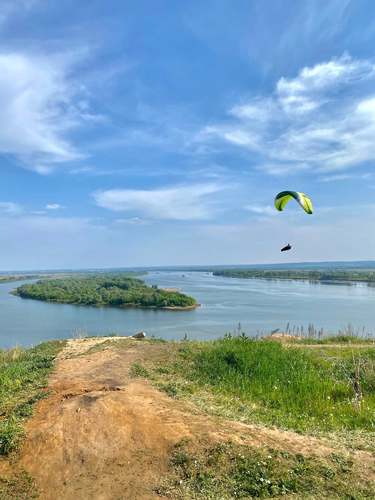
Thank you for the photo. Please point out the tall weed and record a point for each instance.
(288, 387)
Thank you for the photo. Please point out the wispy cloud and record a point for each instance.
(323, 120)
(8, 8)
(53, 206)
(39, 105)
(178, 202)
(261, 209)
(134, 221)
(10, 208)
(47, 225)
(316, 20)
(52, 225)
(344, 177)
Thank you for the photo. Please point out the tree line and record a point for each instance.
(10, 279)
(322, 275)
(111, 290)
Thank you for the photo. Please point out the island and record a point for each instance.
(316, 275)
(116, 290)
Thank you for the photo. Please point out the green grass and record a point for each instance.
(23, 375)
(337, 339)
(269, 383)
(137, 370)
(229, 471)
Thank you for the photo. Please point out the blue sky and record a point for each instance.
(159, 132)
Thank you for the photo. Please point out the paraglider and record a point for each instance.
(282, 199)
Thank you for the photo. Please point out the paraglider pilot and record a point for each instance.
(287, 247)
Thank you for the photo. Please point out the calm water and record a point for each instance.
(262, 305)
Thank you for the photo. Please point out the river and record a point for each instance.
(259, 305)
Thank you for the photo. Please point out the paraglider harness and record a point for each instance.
(287, 247)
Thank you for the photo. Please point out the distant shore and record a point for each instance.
(334, 276)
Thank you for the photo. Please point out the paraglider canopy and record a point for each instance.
(282, 199)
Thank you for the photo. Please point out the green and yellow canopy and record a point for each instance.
(282, 199)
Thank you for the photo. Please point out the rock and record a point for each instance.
(140, 335)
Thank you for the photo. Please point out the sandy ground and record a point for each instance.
(105, 436)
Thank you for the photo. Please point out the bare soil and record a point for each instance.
(103, 435)
(280, 337)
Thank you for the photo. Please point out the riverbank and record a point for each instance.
(172, 419)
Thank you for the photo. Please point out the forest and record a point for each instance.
(117, 290)
(321, 275)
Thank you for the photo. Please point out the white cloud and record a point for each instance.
(179, 202)
(53, 206)
(39, 212)
(39, 105)
(10, 208)
(343, 177)
(260, 209)
(322, 120)
(134, 221)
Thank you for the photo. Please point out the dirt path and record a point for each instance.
(105, 436)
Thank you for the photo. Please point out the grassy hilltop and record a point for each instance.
(288, 394)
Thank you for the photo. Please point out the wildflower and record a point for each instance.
(268, 481)
(328, 397)
(262, 479)
(269, 456)
(275, 387)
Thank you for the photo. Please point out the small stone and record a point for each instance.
(140, 335)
